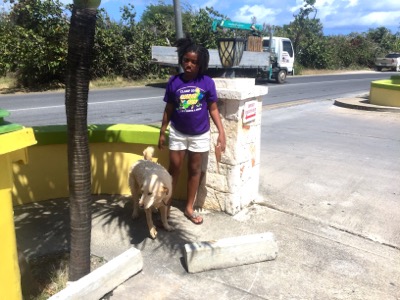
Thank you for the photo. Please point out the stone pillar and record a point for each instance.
(233, 183)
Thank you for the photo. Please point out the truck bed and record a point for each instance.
(167, 56)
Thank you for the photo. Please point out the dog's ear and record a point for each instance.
(165, 190)
(148, 153)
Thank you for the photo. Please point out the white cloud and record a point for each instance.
(210, 3)
(261, 13)
(352, 3)
(297, 6)
(381, 19)
(387, 5)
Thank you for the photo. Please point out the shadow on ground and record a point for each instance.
(43, 228)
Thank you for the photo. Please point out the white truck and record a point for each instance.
(390, 61)
(273, 62)
(282, 57)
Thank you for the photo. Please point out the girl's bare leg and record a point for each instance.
(176, 159)
(194, 174)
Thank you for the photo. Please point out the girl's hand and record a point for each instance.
(161, 141)
(221, 142)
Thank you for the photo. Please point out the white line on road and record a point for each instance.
(90, 103)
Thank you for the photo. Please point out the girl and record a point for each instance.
(190, 99)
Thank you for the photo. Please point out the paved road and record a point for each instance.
(143, 105)
(334, 165)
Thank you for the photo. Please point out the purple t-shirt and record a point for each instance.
(190, 99)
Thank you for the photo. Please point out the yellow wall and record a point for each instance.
(384, 97)
(9, 270)
(12, 149)
(385, 92)
(46, 175)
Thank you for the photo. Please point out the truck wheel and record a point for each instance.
(379, 69)
(281, 76)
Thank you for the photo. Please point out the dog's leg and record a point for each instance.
(164, 218)
(149, 219)
(135, 199)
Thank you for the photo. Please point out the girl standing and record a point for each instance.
(190, 99)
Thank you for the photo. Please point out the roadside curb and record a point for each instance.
(363, 104)
(230, 252)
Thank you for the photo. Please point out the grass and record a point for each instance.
(323, 72)
(6, 83)
(121, 82)
(50, 274)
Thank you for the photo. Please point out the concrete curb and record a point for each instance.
(363, 104)
(230, 252)
(104, 279)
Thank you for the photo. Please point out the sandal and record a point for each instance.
(194, 218)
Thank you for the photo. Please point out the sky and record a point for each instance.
(337, 16)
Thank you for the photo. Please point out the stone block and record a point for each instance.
(104, 279)
(230, 252)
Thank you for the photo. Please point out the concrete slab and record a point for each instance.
(230, 252)
(334, 165)
(104, 279)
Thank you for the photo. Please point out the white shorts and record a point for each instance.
(194, 143)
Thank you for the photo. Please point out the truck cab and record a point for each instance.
(282, 57)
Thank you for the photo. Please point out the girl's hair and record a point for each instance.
(185, 45)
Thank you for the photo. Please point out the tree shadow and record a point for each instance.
(117, 214)
(43, 228)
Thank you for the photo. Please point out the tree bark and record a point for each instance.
(80, 48)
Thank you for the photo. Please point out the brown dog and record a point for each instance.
(154, 183)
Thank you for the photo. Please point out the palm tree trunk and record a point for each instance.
(80, 46)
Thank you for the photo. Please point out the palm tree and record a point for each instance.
(80, 48)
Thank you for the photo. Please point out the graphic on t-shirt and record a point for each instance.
(189, 98)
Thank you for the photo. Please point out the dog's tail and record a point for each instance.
(148, 153)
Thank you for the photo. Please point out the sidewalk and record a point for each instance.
(328, 191)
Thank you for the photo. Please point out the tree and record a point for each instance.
(200, 27)
(302, 23)
(384, 40)
(109, 45)
(138, 39)
(80, 48)
(354, 50)
(161, 18)
(33, 41)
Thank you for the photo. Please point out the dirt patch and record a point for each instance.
(327, 72)
(49, 275)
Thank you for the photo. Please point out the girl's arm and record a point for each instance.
(214, 113)
(169, 108)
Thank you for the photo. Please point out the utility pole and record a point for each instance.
(178, 23)
(178, 19)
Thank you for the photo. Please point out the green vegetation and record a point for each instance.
(50, 274)
(33, 36)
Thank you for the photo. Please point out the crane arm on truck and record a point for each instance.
(281, 62)
(254, 28)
